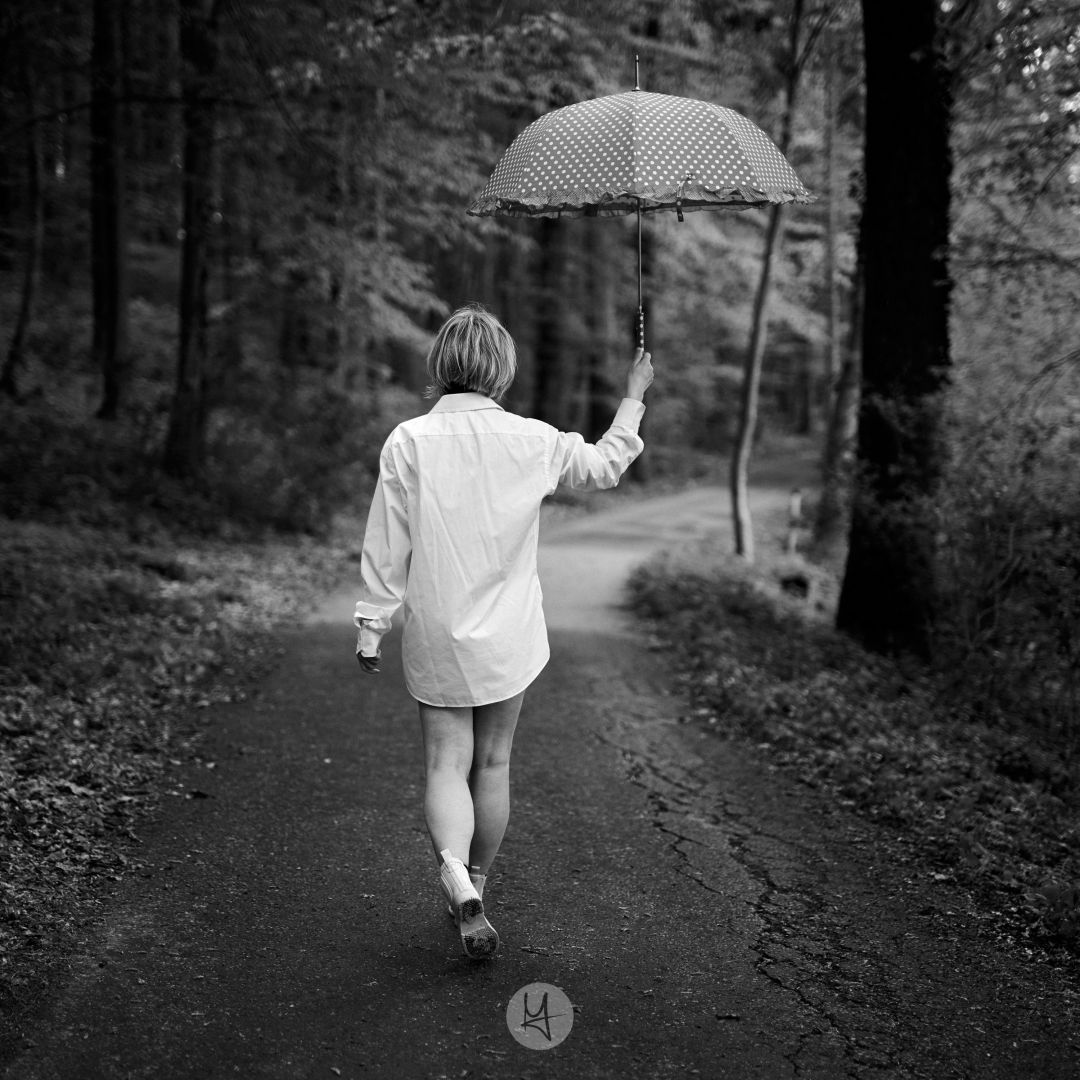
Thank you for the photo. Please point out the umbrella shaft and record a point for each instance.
(640, 307)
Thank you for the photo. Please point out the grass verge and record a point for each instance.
(988, 808)
(110, 646)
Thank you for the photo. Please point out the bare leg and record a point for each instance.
(489, 780)
(448, 755)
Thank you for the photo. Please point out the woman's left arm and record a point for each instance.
(384, 563)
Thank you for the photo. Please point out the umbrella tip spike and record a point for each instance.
(637, 75)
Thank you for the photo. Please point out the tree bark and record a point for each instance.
(834, 507)
(108, 258)
(888, 597)
(35, 236)
(552, 371)
(604, 386)
(748, 411)
(832, 227)
(184, 442)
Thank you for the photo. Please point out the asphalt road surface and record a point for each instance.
(704, 916)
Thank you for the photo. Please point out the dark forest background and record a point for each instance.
(229, 228)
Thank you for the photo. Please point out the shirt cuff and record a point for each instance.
(372, 613)
(371, 623)
(629, 414)
(367, 641)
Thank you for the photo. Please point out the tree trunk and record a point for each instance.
(515, 292)
(551, 368)
(35, 212)
(888, 595)
(748, 412)
(108, 260)
(184, 443)
(806, 382)
(607, 381)
(834, 508)
(748, 403)
(832, 227)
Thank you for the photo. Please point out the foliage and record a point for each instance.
(994, 810)
(109, 647)
(291, 468)
(1006, 513)
(1009, 520)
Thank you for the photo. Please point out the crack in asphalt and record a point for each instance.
(876, 974)
(677, 794)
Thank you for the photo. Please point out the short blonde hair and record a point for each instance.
(472, 351)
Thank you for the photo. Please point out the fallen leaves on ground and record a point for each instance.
(990, 806)
(109, 649)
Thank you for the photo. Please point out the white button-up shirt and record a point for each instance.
(452, 533)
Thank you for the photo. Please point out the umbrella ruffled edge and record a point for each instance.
(612, 204)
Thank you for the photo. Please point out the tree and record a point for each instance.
(755, 353)
(108, 260)
(199, 55)
(831, 521)
(888, 597)
(34, 237)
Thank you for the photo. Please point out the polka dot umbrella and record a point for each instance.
(638, 152)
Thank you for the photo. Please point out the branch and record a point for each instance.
(229, 7)
(815, 32)
(1053, 367)
(708, 60)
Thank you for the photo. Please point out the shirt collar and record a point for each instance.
(464, 403)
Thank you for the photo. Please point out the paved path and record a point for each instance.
(704, 919)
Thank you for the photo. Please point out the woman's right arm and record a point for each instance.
(384, 563)
(591, 466)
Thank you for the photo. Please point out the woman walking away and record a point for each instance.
(452, 534)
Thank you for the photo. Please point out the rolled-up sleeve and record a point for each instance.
(593, 466)
(384, 563)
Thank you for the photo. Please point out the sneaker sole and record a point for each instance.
(450, 907)
(478, 936)
(469, 910)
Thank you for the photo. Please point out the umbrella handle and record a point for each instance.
(641, 328)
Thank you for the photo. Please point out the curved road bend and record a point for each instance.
(704, 917)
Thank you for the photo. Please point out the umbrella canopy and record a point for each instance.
(638, 151)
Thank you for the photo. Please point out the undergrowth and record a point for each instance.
(994, 809)
(110, 644)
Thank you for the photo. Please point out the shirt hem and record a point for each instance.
(487, 700)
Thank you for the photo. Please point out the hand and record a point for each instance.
(640, 376)
(369, 664)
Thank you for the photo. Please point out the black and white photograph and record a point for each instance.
(540, 539)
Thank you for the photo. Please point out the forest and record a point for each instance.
(230, 229)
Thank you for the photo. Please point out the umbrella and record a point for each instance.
(638, 152)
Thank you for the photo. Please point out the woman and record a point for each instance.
(452, 534)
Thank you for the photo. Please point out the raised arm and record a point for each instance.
(591, 466)
(384, 563)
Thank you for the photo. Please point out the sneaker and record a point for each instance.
(478, 936)
(478, 881)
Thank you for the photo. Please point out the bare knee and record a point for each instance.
(449, 759)
(448, 741)
(494, 731)
(491, 759)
